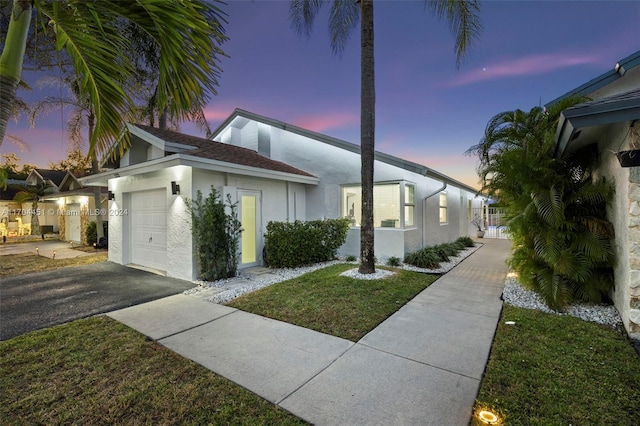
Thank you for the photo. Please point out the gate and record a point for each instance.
(493, 219)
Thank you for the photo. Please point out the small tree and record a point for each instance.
(216, 233)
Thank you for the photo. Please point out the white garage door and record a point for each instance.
(149, 228)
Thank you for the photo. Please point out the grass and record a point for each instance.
(98, 371)
(25, 263)
(324, 301)
(560, 370)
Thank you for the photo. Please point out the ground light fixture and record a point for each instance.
(487, 417)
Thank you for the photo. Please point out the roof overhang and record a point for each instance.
(102, 179)
(242, 117)
(591, 114)
(619, 70)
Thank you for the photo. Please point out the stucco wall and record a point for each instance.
(179, 249)
(624, 214)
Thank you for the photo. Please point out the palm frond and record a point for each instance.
(302, 14)
(464, 22)
(343, 18)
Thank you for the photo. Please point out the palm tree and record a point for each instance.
(555, 208)
(32, 194)
(81, 110)
(344, 16)
(188, 35)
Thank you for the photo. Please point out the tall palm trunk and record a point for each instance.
(12, 58)
(97, 193)
(367, 137)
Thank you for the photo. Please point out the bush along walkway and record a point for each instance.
(422, 365)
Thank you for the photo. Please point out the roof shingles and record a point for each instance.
(218, 151)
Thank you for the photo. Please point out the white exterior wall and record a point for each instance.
(336, 167)
(179, 248)
(624, 214)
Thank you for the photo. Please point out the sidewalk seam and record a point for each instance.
(195, 326)
(419, 362)
(315, 375)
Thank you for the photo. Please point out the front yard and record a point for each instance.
(545, 369)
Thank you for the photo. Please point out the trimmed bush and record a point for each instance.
(91, 233)
(216, 234)
(293, 244)
(430, 257)
(466, 241)
(393, 261)
(424, 258)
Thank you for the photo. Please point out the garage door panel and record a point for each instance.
(149, 229)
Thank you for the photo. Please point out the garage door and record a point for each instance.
(149, 228)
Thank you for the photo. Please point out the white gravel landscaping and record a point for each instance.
(246, 283)
(514, 294)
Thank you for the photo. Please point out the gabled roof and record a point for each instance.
(205, 148)
(240, 114)
(612, 109)
(619, 70)
(55, 176)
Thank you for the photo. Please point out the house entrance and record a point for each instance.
(251, 236)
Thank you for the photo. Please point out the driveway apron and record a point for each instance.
(39, 300)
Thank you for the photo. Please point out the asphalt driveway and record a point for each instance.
(35, 301)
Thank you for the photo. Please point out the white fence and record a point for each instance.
(494, 224)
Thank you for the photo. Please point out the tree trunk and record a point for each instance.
(162, 120)
(367, 137)
(97, 193)
(11, 59)
(35, 222)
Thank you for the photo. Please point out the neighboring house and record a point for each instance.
(275, 172)
(52, 178)
(610, 123)
(73, 208)
(10, 210)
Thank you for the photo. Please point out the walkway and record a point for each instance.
(423, 365)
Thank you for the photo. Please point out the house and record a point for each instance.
(275, 172)
(610, 123)
(73, 208)
(46, 177)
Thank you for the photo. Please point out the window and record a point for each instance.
(443, 208)
(409, 204)
(387, 207)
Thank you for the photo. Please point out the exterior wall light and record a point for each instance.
(487, 417)
(175, 188)
(111, 196)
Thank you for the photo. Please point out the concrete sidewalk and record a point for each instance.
(423, 365)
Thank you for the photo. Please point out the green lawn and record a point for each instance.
(324, 301)
(98, 371)
(560, 370)
(545, 370)
(26, 263)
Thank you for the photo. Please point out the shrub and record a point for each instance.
(351, 258)
(465, 241)
(293, 244)
(393, 261)
(216, 233)
(424, 258)
(430, 257)
(91, 233)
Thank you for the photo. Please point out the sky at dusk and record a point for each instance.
(429, 112)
